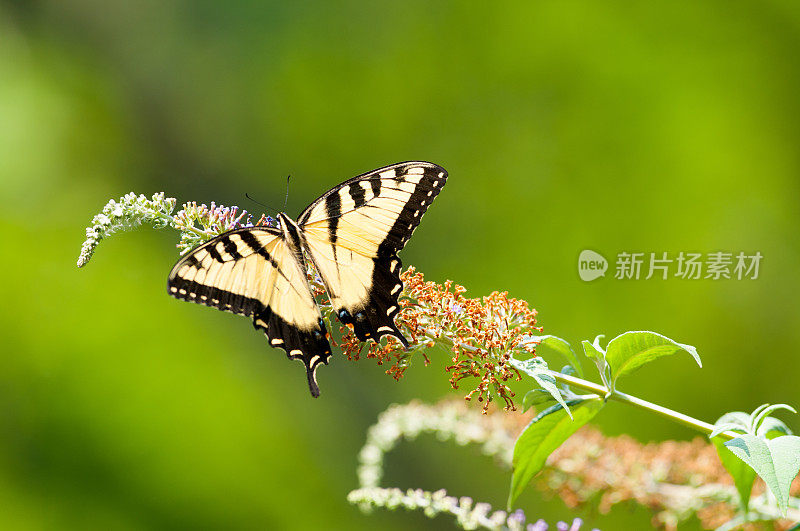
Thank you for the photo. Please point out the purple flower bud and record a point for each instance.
(541, 525)
(576, 524)
(517, 516)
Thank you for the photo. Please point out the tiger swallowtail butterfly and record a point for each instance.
(351, 234)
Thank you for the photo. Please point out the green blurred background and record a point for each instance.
(616, 126)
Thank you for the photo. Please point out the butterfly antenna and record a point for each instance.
(259, 202)
(286, 200)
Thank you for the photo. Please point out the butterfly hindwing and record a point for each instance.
(353, 233)
(255, 272)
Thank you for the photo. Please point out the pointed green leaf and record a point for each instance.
(592, 352)
(766, 411)
(559, 346)
(745, 423)
(629, 351)
(534, 397)
(596, 343)
(740, 418)
(544, 434)
(537, 369)
(598, 356)
(720, 428)
(756, 412)
(743, 476)
(772, 427)
(776, 461)
(733, 421)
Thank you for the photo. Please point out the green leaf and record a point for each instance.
(596, 343)
(762, 414)
(537, 369)
(629, 351)
(593, 352)
(569, 370)
(751, 427)
(772, 427)
(559, 346)
(743, 476)
(733, 421)
(544, 434)
(534, 397)
(720, 428)
(776, 461)
(740, 418)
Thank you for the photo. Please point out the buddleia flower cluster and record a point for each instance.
(129, 212)
(200, 223)
(676, 480)
(468, 514)
(482, 334)
(197, 223)
(448, 420)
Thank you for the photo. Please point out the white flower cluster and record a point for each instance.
(448, 421)
(130, 212)
(469, 515)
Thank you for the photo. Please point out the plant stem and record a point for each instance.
(197, 232)
(675, 416)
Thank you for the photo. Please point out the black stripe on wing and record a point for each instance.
(382, 183)
(210, 263)
(376, 318)
(392, 183)
(309, 346)
(432, 181)
(216, 298)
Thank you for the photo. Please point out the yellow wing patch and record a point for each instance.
(353, 234)
(230, 273)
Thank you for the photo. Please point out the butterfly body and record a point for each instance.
(351, 234)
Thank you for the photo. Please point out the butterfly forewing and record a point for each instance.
(383, 206)
(353, 234)
(254, 272)
(228, 272)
